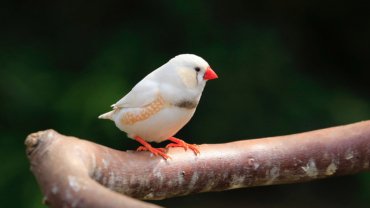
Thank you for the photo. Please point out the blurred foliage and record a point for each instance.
(284, 67)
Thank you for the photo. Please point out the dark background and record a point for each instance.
(284, 67)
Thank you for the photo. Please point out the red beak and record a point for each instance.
(210, 74)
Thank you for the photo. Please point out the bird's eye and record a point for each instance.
(197, 69)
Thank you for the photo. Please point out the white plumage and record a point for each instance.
(163, 102)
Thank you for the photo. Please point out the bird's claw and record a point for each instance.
(155, 151)
(181, 143)
(142, 148)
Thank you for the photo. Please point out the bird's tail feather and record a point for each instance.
(107, 115)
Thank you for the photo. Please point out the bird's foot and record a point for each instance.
(181, 143)
(147, 147)
(155, 151)
(143, 148)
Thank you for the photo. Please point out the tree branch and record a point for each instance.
(77, 173)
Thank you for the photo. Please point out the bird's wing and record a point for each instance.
(141, 95)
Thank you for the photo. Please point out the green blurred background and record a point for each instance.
(284, 67)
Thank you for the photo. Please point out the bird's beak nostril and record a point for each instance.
(209, 74)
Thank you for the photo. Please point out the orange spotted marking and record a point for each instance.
(147, 111)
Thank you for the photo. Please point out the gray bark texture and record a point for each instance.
(77, 173)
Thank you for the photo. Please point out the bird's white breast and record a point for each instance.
(156, 127)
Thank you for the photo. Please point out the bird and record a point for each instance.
(163, 102)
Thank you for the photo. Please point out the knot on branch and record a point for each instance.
(33, 140)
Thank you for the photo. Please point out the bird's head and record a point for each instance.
(192, 70)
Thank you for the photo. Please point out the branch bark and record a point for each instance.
(77, 173)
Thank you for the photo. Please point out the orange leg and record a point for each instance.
(147, 147)
(181, 143)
